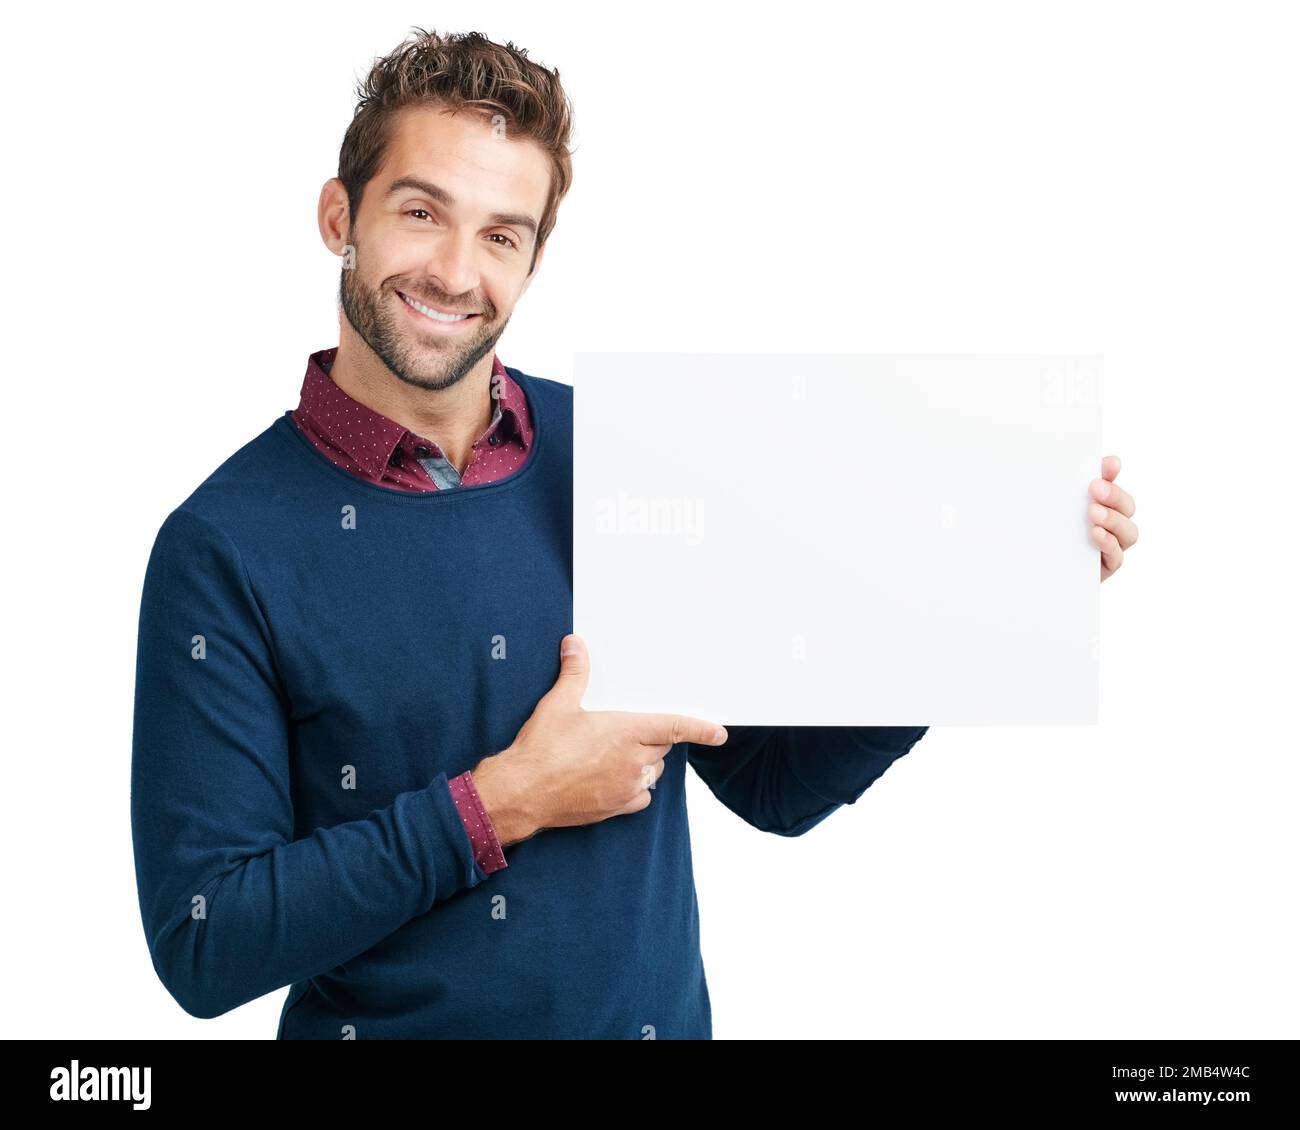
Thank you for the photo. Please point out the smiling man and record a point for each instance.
(361, 768)
(437, 267)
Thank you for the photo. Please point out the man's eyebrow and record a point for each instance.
(445, 198)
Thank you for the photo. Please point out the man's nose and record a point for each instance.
(452, 269)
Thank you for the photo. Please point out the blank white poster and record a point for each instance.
(803, 540)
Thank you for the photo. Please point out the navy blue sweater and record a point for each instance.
(299, 712)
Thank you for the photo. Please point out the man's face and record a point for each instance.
(448, 222)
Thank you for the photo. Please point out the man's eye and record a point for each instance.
(495, 235)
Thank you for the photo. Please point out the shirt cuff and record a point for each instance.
(487, 848)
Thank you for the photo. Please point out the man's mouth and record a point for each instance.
(436, 315)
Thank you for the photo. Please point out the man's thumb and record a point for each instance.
(574, 665)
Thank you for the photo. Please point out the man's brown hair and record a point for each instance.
(460, 71)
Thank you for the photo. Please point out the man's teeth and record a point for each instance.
(434, 314)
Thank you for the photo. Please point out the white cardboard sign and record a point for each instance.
(800, 540)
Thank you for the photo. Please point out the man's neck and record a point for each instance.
(453, 418)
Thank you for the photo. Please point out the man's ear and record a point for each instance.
(332, 216)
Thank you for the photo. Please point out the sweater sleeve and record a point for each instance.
(233, 906)
(787, 779)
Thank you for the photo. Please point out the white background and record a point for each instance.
(1117, 179)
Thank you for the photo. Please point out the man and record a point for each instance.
(361, 768)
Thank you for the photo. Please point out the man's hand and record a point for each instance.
(1111, 513)
(572, 766)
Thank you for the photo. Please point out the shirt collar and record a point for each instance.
(370, 438)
